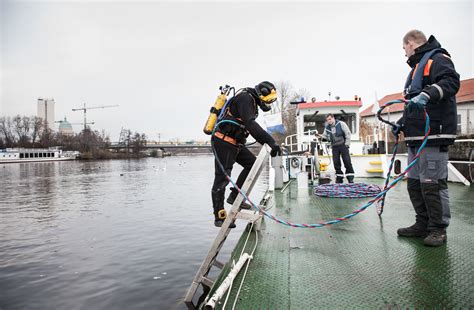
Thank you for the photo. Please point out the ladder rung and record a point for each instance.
(207, 282)
(375, 170)
(375, 162)
(248, 215)
(218, 264)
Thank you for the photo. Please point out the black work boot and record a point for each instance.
(220, 217)
(415, 230)
(339, 180)
(435, 238)
(233, 195)
(350, 179)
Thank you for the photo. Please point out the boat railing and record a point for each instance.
(294, 143)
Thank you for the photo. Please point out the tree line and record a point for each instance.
(31, 132)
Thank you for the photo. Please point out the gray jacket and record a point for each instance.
(338, 134)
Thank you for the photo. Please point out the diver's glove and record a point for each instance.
(276, 150)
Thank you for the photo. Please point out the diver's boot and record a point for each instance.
(435, 238)
(415, 230)
(220, 217)
(233, 195)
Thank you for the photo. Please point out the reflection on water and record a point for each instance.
(105, 234)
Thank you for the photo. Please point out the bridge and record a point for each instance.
(164, 146)
(173, 148)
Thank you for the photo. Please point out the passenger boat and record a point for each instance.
(20, 155)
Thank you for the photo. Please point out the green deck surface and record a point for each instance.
(359, 263)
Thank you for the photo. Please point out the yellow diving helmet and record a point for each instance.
(267, 94)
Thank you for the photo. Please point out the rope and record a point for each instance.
(351, 190)
(381, 203)
(241, 253)
(246, 268)
(345, 217)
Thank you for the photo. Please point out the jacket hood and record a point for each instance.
(431, 44)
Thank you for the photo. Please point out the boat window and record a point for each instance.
(22, 155)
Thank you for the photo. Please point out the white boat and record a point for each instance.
(20, 155)
(311, 155)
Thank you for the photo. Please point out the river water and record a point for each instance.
(119, 234)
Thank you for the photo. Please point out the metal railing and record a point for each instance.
(292, 142)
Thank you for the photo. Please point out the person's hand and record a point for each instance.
(396, 129)
(418, 103)
(276, 150)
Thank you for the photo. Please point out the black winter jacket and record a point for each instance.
(244, 110)
(441, 84)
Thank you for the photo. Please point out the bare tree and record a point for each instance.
(46, 138)
(285, 93)
(6, 131)
(302, 93)
(21, 126)
(36, 125)
(138, 143)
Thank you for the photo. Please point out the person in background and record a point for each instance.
(338, 134)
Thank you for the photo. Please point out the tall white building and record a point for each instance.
(46, 111)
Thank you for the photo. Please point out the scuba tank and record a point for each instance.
(216, 109)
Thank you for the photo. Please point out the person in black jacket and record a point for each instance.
(432, 84)
(229, 142)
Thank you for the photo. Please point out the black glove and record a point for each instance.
(276, 150)
(396, 129)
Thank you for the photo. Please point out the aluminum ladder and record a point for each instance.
(201, 278)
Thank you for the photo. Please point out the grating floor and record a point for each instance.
(360, 263)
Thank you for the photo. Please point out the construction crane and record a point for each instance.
(89, 108)
(65, 120)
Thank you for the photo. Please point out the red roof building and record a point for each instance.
(464, 95)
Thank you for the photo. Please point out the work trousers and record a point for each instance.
(338, 152)
(428, 187)
(228, 154)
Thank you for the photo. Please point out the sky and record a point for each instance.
(162, 62)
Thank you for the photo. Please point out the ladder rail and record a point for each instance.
(201, 275)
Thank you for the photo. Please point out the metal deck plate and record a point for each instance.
(361, 262)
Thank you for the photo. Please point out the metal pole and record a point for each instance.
(85, 122)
